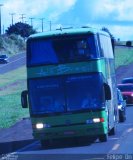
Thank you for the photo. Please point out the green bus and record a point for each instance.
(71, 84)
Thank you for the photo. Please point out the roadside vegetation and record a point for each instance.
(13, 41)
(11, 86)
(14, 82)
(12, 44)
(123, 56)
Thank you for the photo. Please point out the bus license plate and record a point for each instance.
(69, 132)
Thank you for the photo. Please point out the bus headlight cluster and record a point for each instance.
(41, 126)
(94, 120)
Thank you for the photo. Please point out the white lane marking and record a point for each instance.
(126, 124)
(32, 145)
(9, 156)
(125, 134)
(113, 138)
(12, 62)
(130, 130)
(116, 146)
(95, 159)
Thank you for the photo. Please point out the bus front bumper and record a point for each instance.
(70, 131)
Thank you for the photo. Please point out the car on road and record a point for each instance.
(127, 80)
(121, 106)
(127, 92)
(4, 59)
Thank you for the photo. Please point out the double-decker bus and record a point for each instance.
(71, 84)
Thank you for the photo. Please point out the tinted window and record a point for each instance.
(84, 92)
(47, 95)
(64, 94)
(126, 88)
(61, 50)
(3, 56)
(127, 80)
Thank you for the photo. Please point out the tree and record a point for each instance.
(128, 43)
(23, 29)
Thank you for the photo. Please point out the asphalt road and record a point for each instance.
(14, 63)
(118, 147)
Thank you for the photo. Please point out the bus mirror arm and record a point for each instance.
(107, 91)
(113, 44)
(24, 99)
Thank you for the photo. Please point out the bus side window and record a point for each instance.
(101, 47)
(106, 46)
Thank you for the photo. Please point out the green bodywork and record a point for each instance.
(71, 68)
(78, 126)
(71, 125)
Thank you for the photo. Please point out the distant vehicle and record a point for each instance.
(121, 106)
(127, 80)
(3, 59)
(127, 92)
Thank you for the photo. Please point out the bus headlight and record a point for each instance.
(39, 125)
(96, 120)
(120, 106)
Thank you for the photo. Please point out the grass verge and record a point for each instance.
(11, 86)
(123, 56)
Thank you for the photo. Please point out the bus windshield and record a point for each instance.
(61, 50)
(66, 94)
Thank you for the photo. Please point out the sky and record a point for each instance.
(116, 15)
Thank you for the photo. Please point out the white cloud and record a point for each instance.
(48, 9)
(58, 7)
(121, 9)
(104, 13)
(125, 9)
(122, 32)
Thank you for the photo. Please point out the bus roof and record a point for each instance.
(68, 31)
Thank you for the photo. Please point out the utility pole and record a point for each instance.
(42, 22)
(3, 29)
(31, 21)
(50, 25)
(12, 14)
(22, 17)
(0, 17)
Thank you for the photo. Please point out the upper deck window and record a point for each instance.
(61, 50)
(106, 46)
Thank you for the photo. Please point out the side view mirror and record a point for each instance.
(107, 92)
(24, 99)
